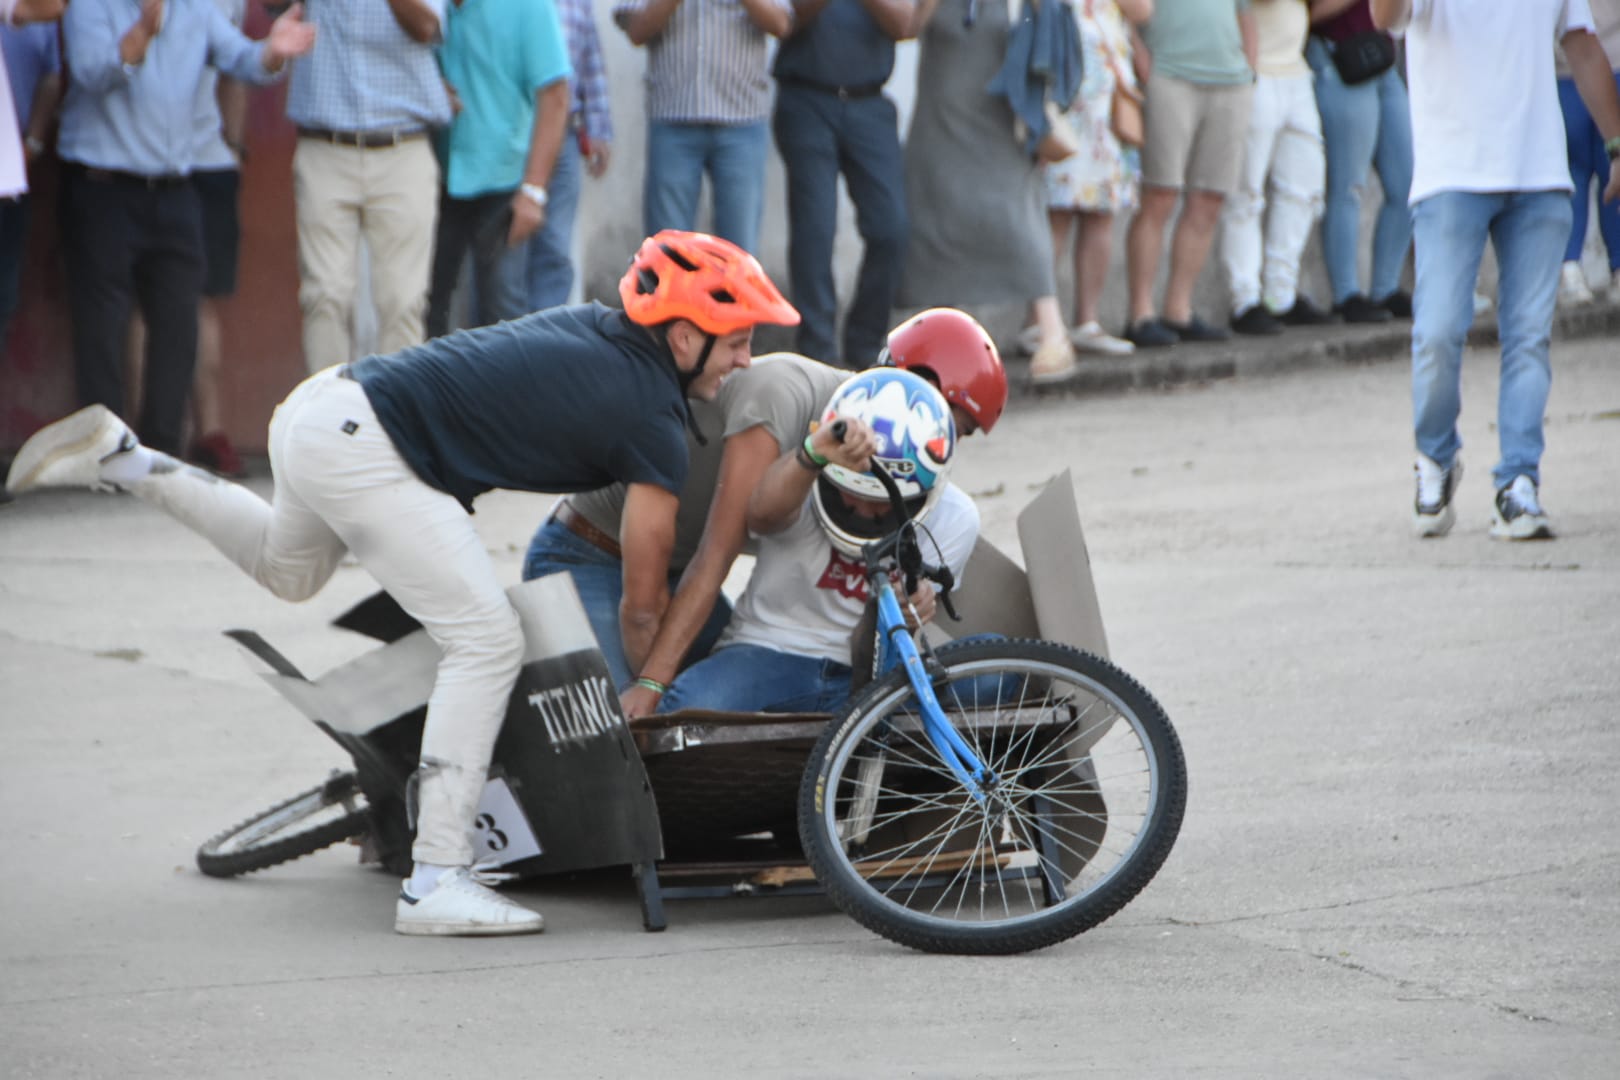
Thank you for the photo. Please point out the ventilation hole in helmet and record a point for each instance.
(722, 296)
(678, 259)
(646, 282)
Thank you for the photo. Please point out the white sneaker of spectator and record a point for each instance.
(1572, 287)
(1093, 338)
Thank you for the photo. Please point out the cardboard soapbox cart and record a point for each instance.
(695, 803)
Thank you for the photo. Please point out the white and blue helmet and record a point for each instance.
(916, 442)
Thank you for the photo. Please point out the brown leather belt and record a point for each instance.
(577, 523)
(362, 140)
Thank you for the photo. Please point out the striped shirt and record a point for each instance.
(709, 66)
(589, 82)
(365, 73)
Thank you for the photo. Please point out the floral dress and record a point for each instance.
(1103, 176)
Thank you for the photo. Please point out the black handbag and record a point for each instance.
(1363, 56)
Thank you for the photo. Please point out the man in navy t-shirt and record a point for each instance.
(384, 457)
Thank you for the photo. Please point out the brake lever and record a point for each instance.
(942, 576)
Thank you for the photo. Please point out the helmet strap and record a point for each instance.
(688, 378)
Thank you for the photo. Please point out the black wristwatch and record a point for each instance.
(1612, 147)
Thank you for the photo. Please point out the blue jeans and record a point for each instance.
(734, 157)
(550, 263)
(599, 579)
(1588, 161)
(752, 678)
(1528, 229)
(820, 135)
(1363, 126)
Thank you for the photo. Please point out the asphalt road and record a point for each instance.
(1400, 858)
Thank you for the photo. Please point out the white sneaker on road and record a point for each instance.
(71, 452)
(1432, 512)
(461, 905)
(1519, 515)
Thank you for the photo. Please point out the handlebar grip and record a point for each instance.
(839, 429)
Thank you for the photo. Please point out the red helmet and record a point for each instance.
(951, 346)
(708, 281)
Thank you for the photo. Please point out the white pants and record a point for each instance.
(1262, 238)
(340, 485)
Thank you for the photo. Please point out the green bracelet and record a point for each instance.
(652, 684)
(810, 452)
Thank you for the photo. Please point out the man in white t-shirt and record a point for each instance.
(788, 647)
(1490, 160)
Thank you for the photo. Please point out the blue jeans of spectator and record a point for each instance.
(752, 678)
(550, 262)
(1528, 230)
(13, 234)
(1588, 161)
(820, 135)
(1363, 126)
(599, 579)
(733, 156)
(476, 227)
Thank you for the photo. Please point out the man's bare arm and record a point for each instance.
(647, 22)
(770, 17)
(1390, 13)
(1594, 78)
(28, 11)
(646, 538)
(416, 19)
(747, 455)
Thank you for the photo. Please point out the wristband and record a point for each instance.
(652, 684)
(809, 458)
(535, 194)
(1612, 147)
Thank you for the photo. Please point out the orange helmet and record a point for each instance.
(951, 346)
(710, 282)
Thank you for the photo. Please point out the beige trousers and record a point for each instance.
(388, 197)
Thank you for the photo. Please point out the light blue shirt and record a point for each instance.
(140, 119)
(365, 73)
(497, 54)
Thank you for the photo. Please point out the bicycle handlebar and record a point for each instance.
(903, 541)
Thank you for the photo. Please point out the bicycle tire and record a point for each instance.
(283, 832)
(1041, 832)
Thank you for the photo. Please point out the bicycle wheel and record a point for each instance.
(1088, 794)
(304, 824)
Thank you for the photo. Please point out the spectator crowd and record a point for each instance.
(447, 140)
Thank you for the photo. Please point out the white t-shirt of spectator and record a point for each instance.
(806, 597)
(1485, 112)
(13, 166)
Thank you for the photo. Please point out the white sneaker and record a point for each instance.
(1094, 339)
(1572, 287)
(1053, 363)
(1519, 515)
(462, 904)
(1029, 339)
(70, 452)
(1432, 513)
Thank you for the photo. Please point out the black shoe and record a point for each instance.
(1151, 334)
(1196, 329)
(1257, 321)
(1358, 309)
(1305, 313)
(1398, 304)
